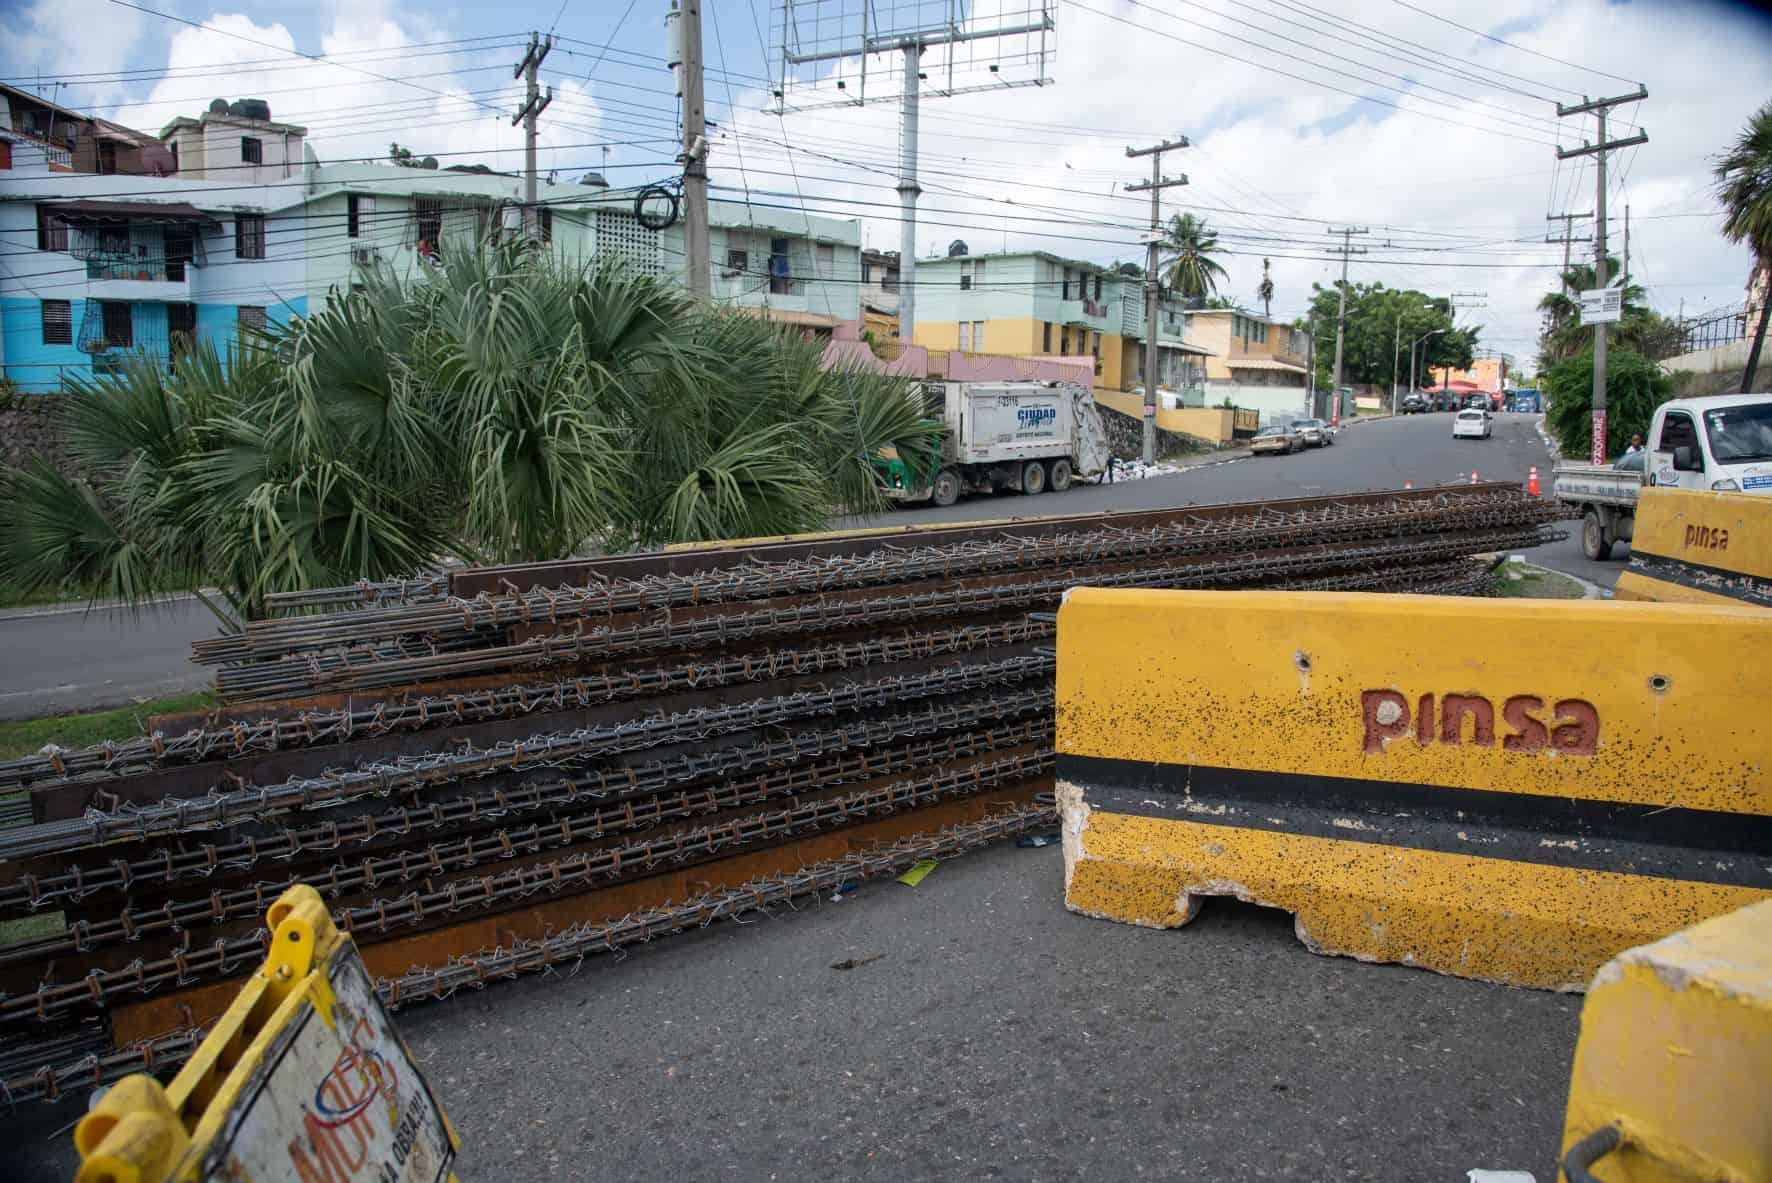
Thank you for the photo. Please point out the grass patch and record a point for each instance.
(14, 596)
(31, 928)
(1536, 583)
(25, 736)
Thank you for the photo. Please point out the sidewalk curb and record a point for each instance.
(84, 607)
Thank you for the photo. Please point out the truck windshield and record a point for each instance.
(1740, 434)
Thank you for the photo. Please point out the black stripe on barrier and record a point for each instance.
(1708, 846)
(1737, 585)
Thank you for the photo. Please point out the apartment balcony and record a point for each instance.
(139, 277)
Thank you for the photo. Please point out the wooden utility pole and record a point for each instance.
(533, 105)
(1565, 238)
(1345, 251)
(1598, 150)
(1155, 185)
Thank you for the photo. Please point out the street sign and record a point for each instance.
(1597, 454)
(1602, 305)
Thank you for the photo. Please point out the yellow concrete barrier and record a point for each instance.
(304, 1078)
(1676, 1057)
(1500, 789)
(1696, 547)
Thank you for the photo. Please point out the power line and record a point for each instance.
(1521, 48)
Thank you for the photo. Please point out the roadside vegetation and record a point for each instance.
(21, 737)
(505, 407)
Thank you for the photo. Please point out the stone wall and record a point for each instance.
(1126, 437)
(28, 428)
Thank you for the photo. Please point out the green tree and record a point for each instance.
(402, 156)
(1382, 323)
(1635, 386)
(505, 407)
(1744, 186)
(1264, 291)
(1186, 257)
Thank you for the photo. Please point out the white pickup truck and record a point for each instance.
(1027, 436)
(1721, 443)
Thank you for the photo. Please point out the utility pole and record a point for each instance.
(533, 105)
(1310, 365)
(1565, 238)
(908, 192)
(1345, 251)
(694, 158)
(1396, 352)
(1156, 185)
(1625, 278)
(1598, 150)
(1452, 311)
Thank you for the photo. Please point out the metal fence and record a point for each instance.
(1713, 329)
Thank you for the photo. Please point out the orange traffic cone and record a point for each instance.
(1532, 483)
(1408, 484)
(1473, 476)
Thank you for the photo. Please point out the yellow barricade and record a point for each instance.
(1502, 789)
(1700, 548)
(1673, 1072)
(304, 1078)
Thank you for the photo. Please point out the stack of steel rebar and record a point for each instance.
(500, 769)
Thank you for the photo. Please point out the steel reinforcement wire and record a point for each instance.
(381, 778)
(863, 757)
(570, 875)
(319, 727)
(1264, 526)
(565, 950)
(319, 673)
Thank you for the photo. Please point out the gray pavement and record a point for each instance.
(998, 1036)
(57, 660)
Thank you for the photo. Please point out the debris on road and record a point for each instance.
(917, 873)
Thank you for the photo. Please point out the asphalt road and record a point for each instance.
(70, 659)
(998, 1036)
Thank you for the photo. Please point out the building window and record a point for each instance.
(174, 147)
(252, 150)
(58, 322)
(5, 153)
(52, 232)
(1064, 342)
(965, 336)
(251, 316)
(781, 279)
(354, 211)
(890, 282)
(1096, 348)
(249, 236)
(1065, 294)
(966, 275)
(1261, 332)
(867, 272)
(181, 328)
(737, 262)
(1098, 289)
(1046, 337)
(544, 217)
(978, 336)
(827, 260)
(119, 325)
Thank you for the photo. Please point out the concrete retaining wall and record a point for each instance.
(1732, 356)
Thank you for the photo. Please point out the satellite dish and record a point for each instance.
(958, 248)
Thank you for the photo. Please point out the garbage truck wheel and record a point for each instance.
(1033, 478)
(1058, 475)
(947, 488)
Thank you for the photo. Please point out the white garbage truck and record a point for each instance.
(1026, 436)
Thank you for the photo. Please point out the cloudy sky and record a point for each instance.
(1430, 122)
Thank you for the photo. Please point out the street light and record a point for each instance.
(1418, 341)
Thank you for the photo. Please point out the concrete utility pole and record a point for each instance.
(1155, 185)
(908, 192)
(1600, 108)
(1568, 221)
(1452, 311)
(695, 154)
(534, 104)
(1625, 278)
(1345, 251)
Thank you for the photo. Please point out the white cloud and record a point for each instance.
(1277, 160)
(385, 79)
(73, 37)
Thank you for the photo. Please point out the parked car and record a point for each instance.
(1472, 423)
(1316, 433)
(1414, 403)
(1283, 440)
(1478, 402)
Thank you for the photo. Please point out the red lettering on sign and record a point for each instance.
(1453, 709)
(1706, 538)
(1529, 735)
(1574, 728)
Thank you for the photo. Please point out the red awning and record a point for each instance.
(131, 211)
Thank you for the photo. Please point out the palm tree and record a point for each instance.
(1265, 291)
(1186, 257)
(508, 406)
(1744, 186)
